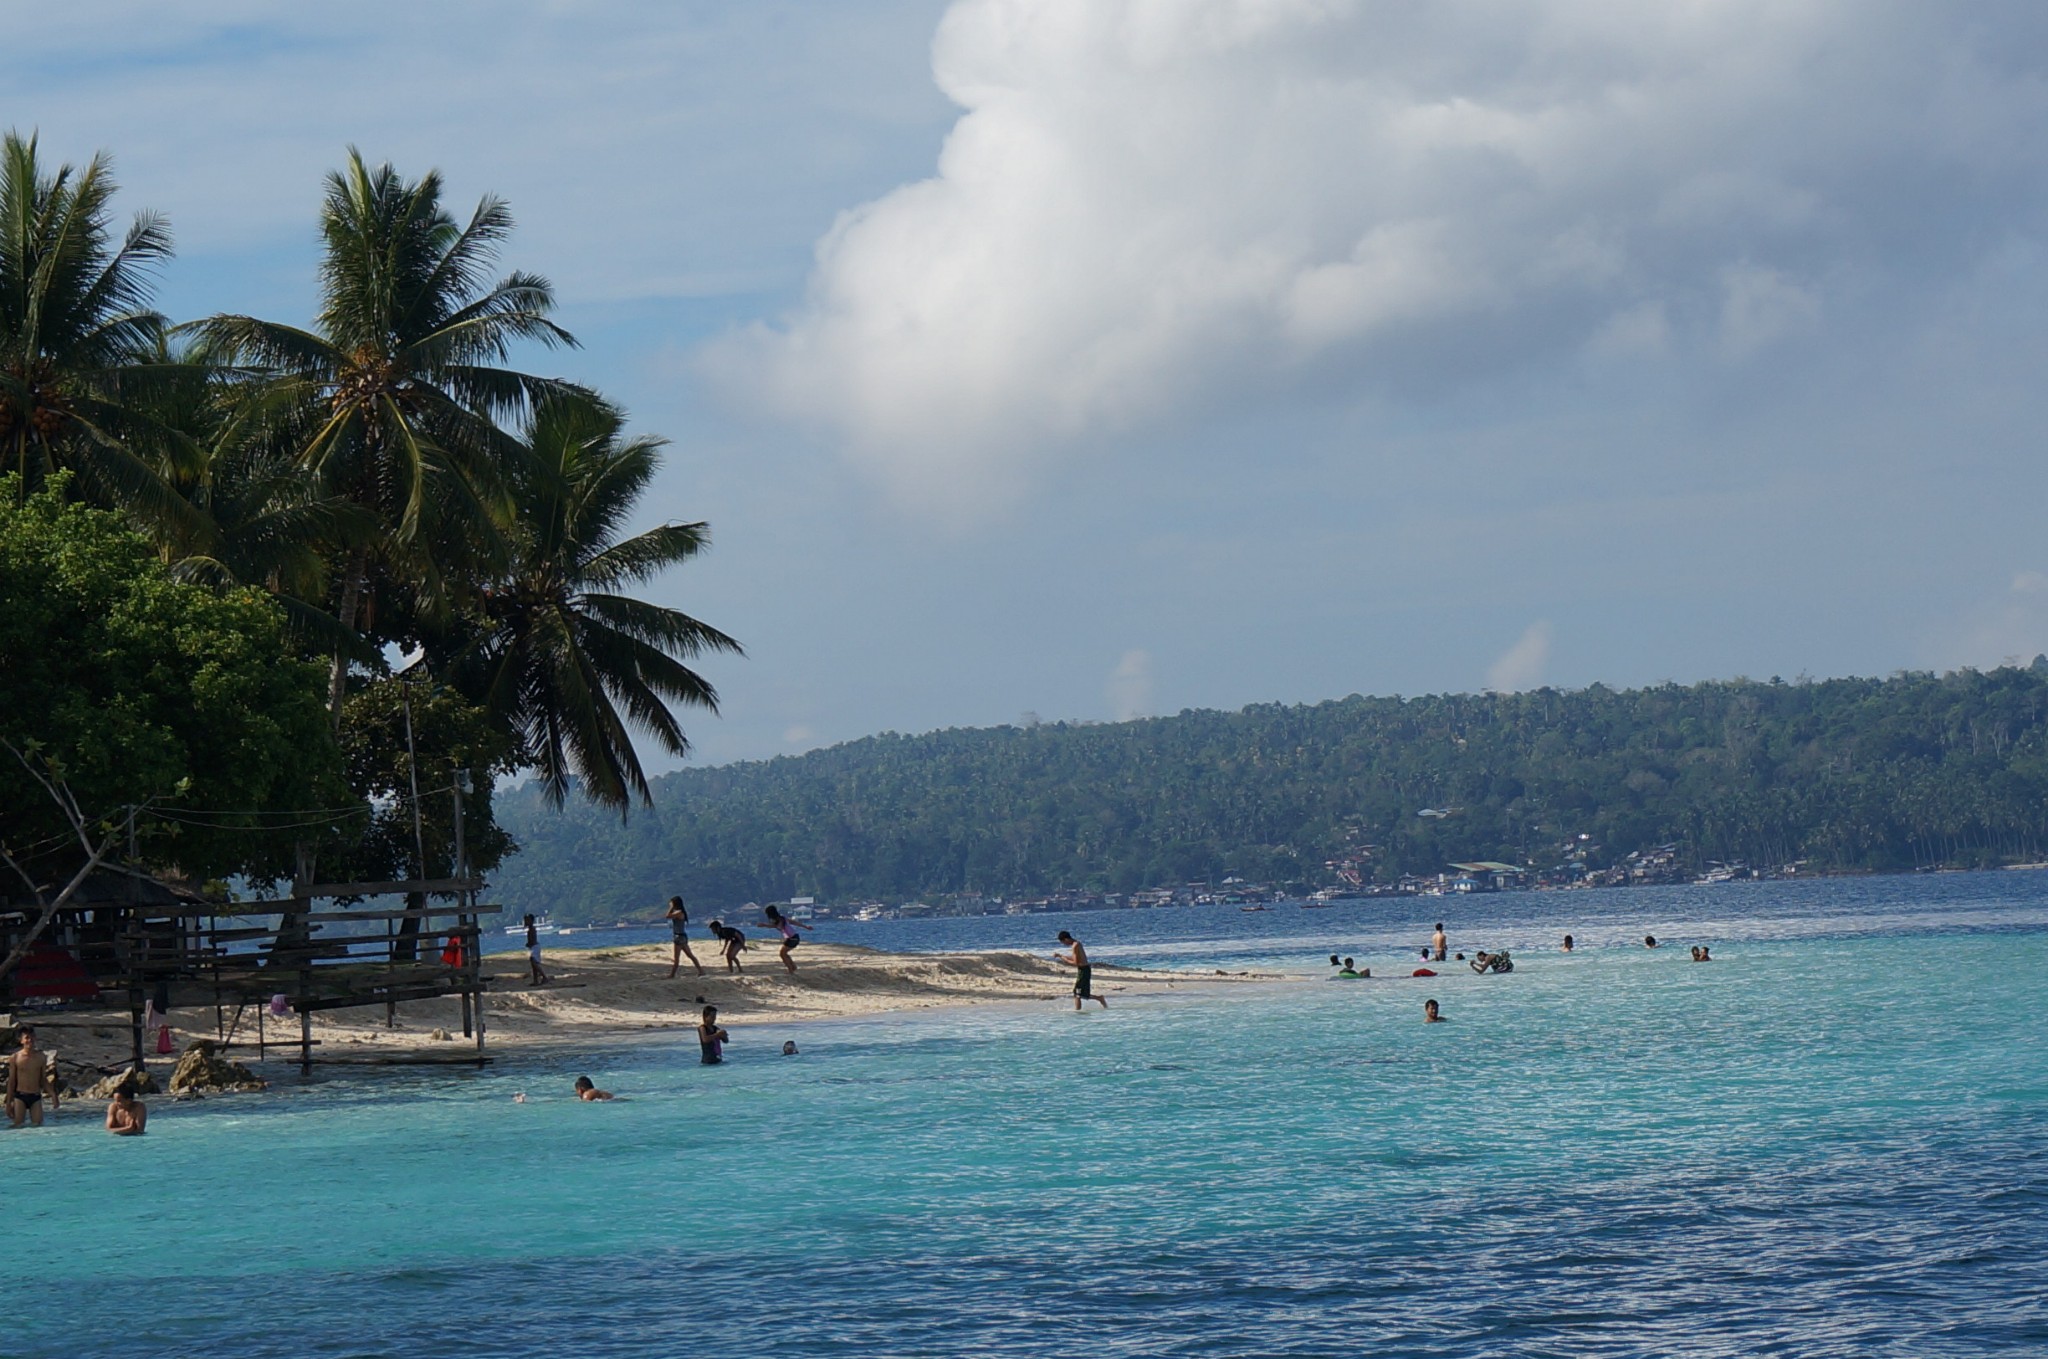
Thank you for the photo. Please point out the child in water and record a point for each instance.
(711, 1039)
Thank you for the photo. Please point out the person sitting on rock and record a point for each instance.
(127, 1116)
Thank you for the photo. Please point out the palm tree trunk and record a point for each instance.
(351, 601)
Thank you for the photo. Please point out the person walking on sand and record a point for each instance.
(127, 1116)
(777, 920)
(533, 953)
(711, 1039)
(732, 941)
(1084, 975)
(679, 937)
(28, 1077)
(1439, 942)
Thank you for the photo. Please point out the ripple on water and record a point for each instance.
(1830, 1143)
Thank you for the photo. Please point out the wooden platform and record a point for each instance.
(332, 956)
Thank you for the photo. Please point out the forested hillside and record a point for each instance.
(1851, 773)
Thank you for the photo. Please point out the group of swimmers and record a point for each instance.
(30, 1078)
(1481, 962)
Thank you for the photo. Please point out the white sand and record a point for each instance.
(605, 995)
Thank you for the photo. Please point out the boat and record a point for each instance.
(1255, 908)
(541, 925)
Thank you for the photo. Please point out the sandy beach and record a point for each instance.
(600, 996)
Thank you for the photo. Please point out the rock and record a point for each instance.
(138, 1080)
(441, 1036)
(200, 1072)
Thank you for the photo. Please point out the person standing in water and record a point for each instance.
(1084, 975)
(28, 1075)
(1431, 1014)
(777, 920)
(1567, 943)
(679, 937)
(711, 1039)
(1439, 942)
(533, 953)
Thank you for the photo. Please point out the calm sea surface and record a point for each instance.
(1832, 1140)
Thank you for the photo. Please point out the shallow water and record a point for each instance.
(1829, 1141)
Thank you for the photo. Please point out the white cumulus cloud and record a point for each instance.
(1149, 208)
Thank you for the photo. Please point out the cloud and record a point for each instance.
(798, 735)
(1130, 685)
(1522, 666)
(1149, 210)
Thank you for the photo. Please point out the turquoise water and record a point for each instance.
(1829, 1141)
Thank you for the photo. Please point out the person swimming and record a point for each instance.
(1349, 971)
(1567, 943)
(1649, 941)
(587, 1091)
(1700, 954)
(1431, 1013)
(789, 1047)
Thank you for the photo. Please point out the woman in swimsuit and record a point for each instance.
(711, 1039)
(678, 918)
(777, 920)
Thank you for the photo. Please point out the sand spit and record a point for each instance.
(603, 996)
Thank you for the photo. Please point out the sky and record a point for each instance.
(1094, 359)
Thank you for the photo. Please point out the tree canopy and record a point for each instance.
(384, 486)
(138, 688)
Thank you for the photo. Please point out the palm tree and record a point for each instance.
(564, 660)
(75, 321)
(256, 517)
(399, 392)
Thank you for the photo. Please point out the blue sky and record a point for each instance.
(1098, 357)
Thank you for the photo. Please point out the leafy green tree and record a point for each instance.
(135, 687)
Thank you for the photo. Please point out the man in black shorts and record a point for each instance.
(28, 1075)
(1084, 975)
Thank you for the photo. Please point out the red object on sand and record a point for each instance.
(163, 1039)
(51, 973)
(1422, 972)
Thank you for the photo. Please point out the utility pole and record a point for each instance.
(415, 902)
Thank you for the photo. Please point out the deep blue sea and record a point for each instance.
(1830, 1141)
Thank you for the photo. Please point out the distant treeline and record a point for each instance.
(1890, 774)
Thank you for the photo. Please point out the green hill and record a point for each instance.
(1890, 774)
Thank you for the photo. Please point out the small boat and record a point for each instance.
(1255, 908)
